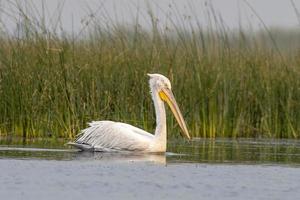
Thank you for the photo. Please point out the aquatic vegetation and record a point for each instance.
(228, 83)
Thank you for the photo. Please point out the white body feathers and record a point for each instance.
(116, 136)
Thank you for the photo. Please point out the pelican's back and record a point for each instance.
(113, 136)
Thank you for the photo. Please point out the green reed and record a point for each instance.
(227, 83)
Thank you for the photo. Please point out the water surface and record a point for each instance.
(201, 169)
(222, 151)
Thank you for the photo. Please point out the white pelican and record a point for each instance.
(117, 136)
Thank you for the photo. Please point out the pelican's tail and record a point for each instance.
(83, 147)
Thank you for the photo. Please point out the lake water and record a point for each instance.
(201, 169)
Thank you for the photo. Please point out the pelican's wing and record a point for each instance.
(109, 135)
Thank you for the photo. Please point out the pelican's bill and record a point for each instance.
(167, 96)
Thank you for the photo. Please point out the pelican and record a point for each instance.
(117, 136)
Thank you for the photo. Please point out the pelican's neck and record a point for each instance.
(161, 127)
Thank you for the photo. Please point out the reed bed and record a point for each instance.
(227, 83)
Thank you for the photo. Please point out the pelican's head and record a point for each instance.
(162, 86)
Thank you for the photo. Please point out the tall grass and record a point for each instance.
(227, 83)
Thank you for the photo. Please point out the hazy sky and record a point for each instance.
(75, 13)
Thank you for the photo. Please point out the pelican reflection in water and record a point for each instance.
(124, 157)
(117, 136)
